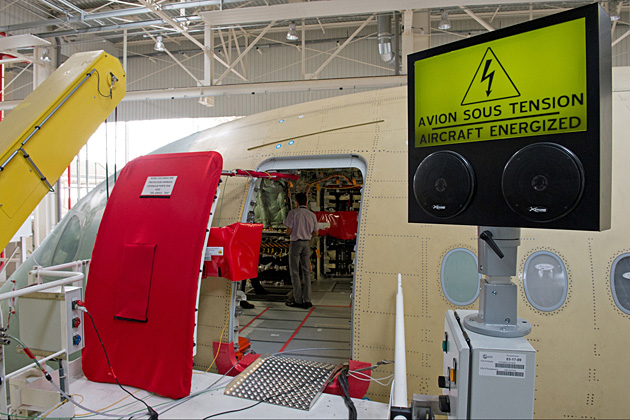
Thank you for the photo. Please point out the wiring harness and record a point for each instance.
(153, 415)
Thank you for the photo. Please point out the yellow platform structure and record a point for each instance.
(41, 136)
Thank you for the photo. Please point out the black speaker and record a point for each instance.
(495, 141)
(443, 184)
(543, 182)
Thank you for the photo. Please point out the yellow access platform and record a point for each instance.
(41, 136)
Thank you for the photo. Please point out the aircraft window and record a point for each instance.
(620, 282)
(545, 281)
(68, 243)
(460, 276)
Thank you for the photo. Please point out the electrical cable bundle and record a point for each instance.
(29, 353)
(153, 415)
(343, 384)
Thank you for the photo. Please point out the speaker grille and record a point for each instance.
(543, 182)
(443, 184)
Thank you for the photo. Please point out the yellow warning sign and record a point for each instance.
(490, 83)
(528, 84)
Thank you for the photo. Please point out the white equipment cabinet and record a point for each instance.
(49, 322)
(486, 377)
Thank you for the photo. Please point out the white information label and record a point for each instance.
(323, 225)
(158, 186)
(506, 365)
(213, 251)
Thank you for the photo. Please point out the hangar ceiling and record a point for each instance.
(215, 44)
(76, 20)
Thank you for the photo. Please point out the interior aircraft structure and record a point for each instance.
(573, 286)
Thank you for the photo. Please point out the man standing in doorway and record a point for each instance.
(301, 226)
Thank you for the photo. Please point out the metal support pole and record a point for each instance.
(498, 297)
(303, 50)
(125, 50)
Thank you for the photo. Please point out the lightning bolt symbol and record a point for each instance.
(488, 76)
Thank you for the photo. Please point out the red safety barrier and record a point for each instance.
(144, 274)
(227, 359)
(343, 224)
(233, 251)
(356, 387)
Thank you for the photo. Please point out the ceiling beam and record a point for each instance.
(330, 8)
(113, 13)
(342, 46)
(477, 19)
(238, 50)
(254, 88)
(179, 63)
(614, 24)
(621, 38)
(8, 43)
(99, 29)
(240, 57)
(155, 8)
(192, 18)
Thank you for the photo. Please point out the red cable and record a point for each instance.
(29, 353)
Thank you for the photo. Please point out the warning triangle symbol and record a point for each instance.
(490, 83)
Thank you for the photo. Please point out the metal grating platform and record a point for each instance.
(284, 381)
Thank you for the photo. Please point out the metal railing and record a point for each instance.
(36, 280)
(36, 284)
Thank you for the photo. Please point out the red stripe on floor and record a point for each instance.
(297, 330)
(255, 318)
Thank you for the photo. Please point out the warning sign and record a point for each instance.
(158, 186)
(490, 83)
(213, 251)
(529, 84)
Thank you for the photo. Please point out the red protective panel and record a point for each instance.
(145, 267)
(227, 363)
(357, 388)
(343, 224)
(238, 259)
(134, 282)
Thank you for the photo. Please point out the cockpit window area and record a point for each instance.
(68, 244)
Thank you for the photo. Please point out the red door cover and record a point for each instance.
(233, 251)
(343, 224)
(142, 284)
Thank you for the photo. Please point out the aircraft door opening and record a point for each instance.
(321, 331)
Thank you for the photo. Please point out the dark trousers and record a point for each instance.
(300, 268)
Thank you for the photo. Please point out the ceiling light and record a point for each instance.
(613, 10)
(444, 22)
(292, 35)
(159, 45)
(45, 57)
